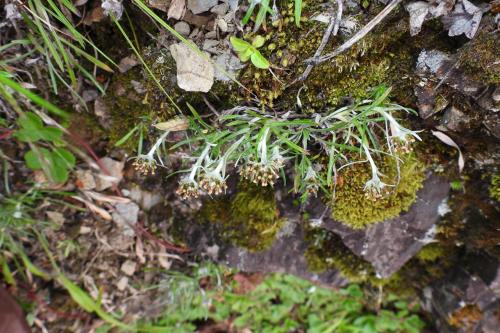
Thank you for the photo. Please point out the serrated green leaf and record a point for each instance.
(259, 61)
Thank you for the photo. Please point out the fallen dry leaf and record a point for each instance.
(173, 125)
(449, 141)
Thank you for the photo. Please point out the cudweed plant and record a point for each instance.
(262, 146)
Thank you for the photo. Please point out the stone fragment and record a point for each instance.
(230, 63)
(85, 180)
(177, 9)
(122, 283)
(200, 6)
(220, 9)
(127, 63)
(182, 28)
(194, 72)
(56, 217)
(454, 119)
(126, 216)
(128, 267)
(159, 4)
(112, 173)
(145, 199)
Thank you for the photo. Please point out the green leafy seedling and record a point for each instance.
(56, 161)
(248, 51)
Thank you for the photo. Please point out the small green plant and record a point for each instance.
(284, 303)
(315, 146)
(495, 187)
(264, 9)
(248, 51)
(52, 157)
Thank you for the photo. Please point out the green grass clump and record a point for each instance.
(357, 209)
(251, 219)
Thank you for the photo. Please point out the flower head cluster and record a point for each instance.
(145, 164)
(213, 183)
(266, 171)
(188, 189)
(311, 181)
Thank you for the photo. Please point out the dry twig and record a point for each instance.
(333, 28)
(358, 36)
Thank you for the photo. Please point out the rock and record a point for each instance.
(90, 95)
(390, 244)
(230, 63)
(200, 6)
(200, 21)
(56, 217)
(220, 9)
(210, 45)
(159, 4)
(102, 112)
(286, 255)
(127, 63)
(85, 180)
(145, 199)
(194, 73)
(126, 216)
(177, 9)
(128, 267)
(454, 119)
(466, 297)
(122, 283)
(112, 173)
(182, 28)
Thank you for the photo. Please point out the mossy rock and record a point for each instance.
(353, 207)
(479, 57)
(327, 251)
(250, 219)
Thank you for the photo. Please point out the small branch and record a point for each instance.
(333, 27)
(358, 36)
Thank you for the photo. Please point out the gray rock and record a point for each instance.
(200, 6)
(286, 255)
(126, 216)
(461, 288)
(182, 28)
(112, 173)
(454, 119)
(390, 244)
(221, 9)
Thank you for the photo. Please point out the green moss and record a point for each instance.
(250, 220)
(354, 208)
(495, 187)
(479, 57)
(431, 252)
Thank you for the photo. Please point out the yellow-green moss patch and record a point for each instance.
(353, 207)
